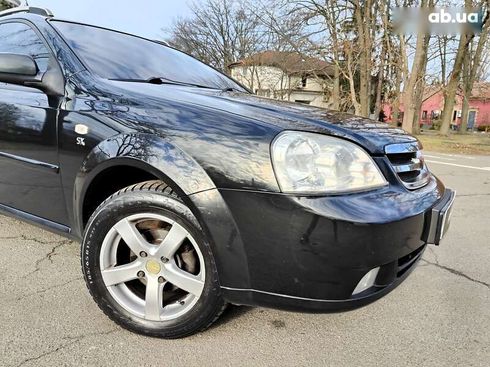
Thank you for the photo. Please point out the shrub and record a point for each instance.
(436, 125)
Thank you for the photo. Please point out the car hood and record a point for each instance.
(370, 134)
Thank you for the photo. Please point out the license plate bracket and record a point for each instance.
(439, 218)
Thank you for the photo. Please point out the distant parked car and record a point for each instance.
(189, 193)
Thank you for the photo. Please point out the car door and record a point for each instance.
(29, 172)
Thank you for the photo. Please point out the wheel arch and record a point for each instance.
(144, 157)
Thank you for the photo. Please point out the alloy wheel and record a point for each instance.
(152, 267)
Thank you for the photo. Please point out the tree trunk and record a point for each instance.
(466, 93)
(418, 99)
(400, 78)
(352, 87)
(464, 114)
(442, 42)
(452, 85)
(419, 91)
(379, 86)
(417, 75)
(397, 96)
(450, 94)
(471, 64)
(336, 89)
(363, 21)
(379, 89)
(385, 48)
(329, 13)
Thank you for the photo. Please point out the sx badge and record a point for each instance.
(82, 130)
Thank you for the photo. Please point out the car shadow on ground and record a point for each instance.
(232, 312)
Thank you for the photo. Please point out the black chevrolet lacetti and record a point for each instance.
(188, 193)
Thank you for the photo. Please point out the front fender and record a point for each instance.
(165, 160)
(149, 152)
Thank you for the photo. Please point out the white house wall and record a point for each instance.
(272, 82)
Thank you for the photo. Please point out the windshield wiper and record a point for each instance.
(162, 80)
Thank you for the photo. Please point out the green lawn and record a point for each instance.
(471, 143)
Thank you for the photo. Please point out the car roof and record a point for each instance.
(35, 13)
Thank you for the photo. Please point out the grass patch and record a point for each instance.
(472, 143)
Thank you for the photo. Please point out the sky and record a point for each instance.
(123, 15)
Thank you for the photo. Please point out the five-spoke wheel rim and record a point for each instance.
(152, 267)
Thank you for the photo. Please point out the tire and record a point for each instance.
(154, 210)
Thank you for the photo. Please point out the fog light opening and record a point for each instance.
(367, 281)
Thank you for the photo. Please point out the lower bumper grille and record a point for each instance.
(388, 273)
(406, 262)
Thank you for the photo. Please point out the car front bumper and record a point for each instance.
(310, 253)
(293, 303)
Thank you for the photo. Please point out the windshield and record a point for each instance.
(119, 56)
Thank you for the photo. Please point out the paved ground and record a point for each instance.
(439, 317)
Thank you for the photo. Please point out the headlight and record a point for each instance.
(314, 163)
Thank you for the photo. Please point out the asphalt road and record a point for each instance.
(440, 316)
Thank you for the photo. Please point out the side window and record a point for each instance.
(19, 38)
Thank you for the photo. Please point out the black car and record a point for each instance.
(189, 193)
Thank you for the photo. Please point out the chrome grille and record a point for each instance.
(408, 163)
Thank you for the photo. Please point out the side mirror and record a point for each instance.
(23, 70)
(20, 67)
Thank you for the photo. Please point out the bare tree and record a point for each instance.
(364, 16)
(400, 71)
(418, 93)
(413, 89)
(483, 72)
(330, 14)
(347, 34)
(219, 32)
(452, 85)
(451, 89)
(471, 65)
(442, 43)
(384, 13)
